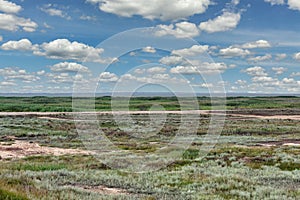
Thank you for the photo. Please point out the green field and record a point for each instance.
(254, 158)
(64, 104)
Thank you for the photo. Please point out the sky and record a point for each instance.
(230, 46)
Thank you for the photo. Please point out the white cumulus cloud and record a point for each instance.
(279, 70)
(154, 9)
(234, 52)
(260, 58)
(67, 50)
(69, 67)
(192, 51)
(294, 4)
(55, 12)
(108, 77)
(149, 49)
(297, 56)
(256, 71)
(275, 2)
(21, 45)
(256, 44)
(280, 56)
(156, 70)
(9, 7)
(200, 68)
(172, 60)
(11, 22)
(226, 21)
(179, 30)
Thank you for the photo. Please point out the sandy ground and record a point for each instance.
(100, 189)
(21, 149)
(289, 142)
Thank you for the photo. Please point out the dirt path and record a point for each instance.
(54, 115)
(291, 117)
(41, 114)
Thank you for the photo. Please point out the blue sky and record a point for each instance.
(239, 46)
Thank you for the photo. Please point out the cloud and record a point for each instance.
(139, 71)
(179, 30)
(88, 18)
(8, 71)
(61, 49)
(279, 70)
(67, 50)
(294, 4)
(297, 56)
(60, 78)
(11, 22)
(241, 82)
(256, 71)
(275, 2)
(235, 2)
(69, 67)
(185, 70)
(11, 74)
(108, 77)
(21, 45)
(40, 73)
(55, 12)
(288, 80)
(152, 70)
(9, 7)
(280, 56)
(234, 52)
(225, 22)
(295, 74)
(152, 78)
(260, 58)
(154, 9)
(256, 44)
(192, 51)
(66, 78)
(149, 49)
(264, 79)
(172, 60)
(156, 70)
(7, 83)
(1, 38)
(47, 25)
(200, 68)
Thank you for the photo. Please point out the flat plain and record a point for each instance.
(257, 155)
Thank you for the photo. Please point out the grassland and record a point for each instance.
(64, 104)
(254, 158)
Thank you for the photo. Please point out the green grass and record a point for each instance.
(64, 104)
(7, 195)
(40, 167)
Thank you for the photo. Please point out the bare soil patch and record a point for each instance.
(21, 149)
(288, 142)
(103, 189)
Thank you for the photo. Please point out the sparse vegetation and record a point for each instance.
(253, 159)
